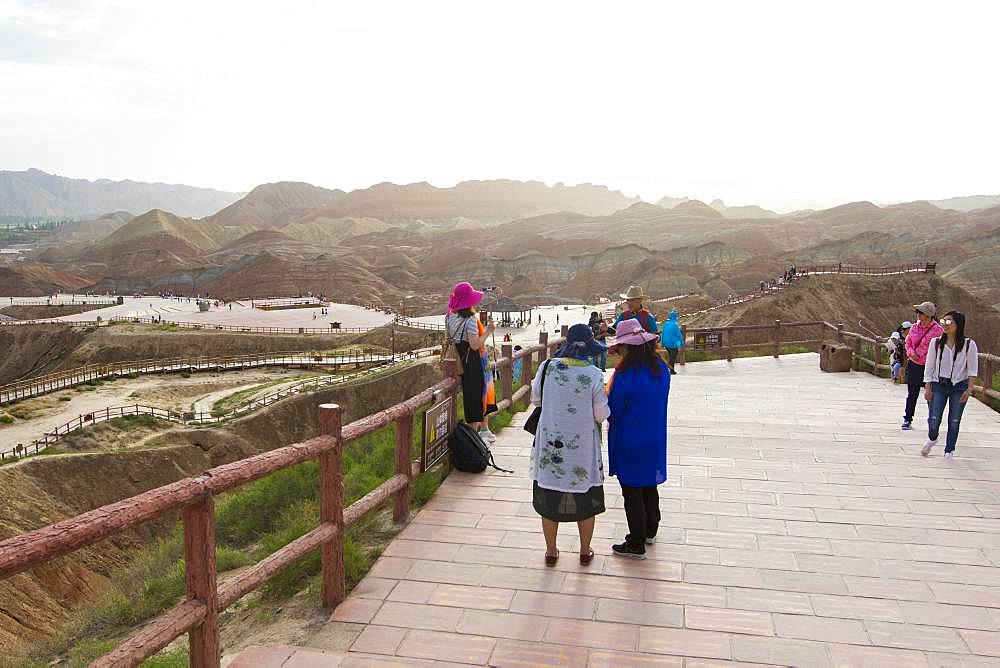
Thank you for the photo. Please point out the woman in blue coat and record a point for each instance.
(637, 434)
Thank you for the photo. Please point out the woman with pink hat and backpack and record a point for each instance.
(637, 433)
(469, 336)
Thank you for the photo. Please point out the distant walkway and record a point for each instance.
(773, 287)
(801, 527)
(17, 448)
(60, 380)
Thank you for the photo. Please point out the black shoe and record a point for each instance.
(626, 550)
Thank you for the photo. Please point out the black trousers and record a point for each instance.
(642, 511)
(914, 388)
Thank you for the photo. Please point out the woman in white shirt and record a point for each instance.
(952, 359)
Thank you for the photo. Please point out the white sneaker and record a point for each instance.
(926, 450)
(487, 436)
(948, 455)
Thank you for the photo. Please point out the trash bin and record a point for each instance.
(835, 357)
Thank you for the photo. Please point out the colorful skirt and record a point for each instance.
(567, 506)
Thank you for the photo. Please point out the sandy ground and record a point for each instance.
(552, 319)
(241, 313)
(181, 310)
(166, 391)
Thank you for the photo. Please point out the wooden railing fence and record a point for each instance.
(199, 417)
(198, 614)
(61, 380)
(869, 354)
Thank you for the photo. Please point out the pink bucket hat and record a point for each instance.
(463, 295)
(630, 333)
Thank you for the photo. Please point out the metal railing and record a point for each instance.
(198, 614)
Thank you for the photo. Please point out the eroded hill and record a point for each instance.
(881, 302)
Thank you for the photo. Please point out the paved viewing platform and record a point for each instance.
(800, 527)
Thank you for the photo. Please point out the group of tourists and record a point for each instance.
(933, 354)
(937, 360)
(671, 339)
(567, 466)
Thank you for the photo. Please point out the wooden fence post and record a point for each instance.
(527, 374)
(985, 376)
(728, 334)
(507, 373)
(331, 505)
(681, 357)
(199, 560)
(777, 338)
(543, 340)
(840, 332)
(404, 466)
(563, 330)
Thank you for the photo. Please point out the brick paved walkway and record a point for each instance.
(800, 527)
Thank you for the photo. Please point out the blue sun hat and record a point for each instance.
(580, 343)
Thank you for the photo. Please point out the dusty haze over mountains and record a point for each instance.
(783, 105)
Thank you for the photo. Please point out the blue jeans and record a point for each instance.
(941, 394)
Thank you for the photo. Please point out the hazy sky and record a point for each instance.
(786, 104)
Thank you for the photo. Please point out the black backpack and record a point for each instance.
(468, 452)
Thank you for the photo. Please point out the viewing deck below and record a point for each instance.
(800, 527)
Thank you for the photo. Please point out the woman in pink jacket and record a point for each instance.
(917, 341)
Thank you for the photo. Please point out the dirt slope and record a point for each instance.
(39, 349)
(882, 301)
(44, 490)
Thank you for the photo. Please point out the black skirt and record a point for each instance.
(473, 382)
(567, 506)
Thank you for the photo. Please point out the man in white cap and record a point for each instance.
(917, 341)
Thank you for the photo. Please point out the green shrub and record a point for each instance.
(6, 419)
(425, 484)
(177, 658)
(185, 375)
(65, 398)
(88, 649)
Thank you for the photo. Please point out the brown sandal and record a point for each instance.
(586, 558)
(551, 560)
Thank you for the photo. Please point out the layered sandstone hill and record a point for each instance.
(275, 204)
(539, 243)
(882, 302)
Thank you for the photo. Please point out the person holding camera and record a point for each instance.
(469, 335)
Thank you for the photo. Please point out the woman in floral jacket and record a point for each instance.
(566, 464)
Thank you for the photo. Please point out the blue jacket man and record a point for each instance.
(633, 309)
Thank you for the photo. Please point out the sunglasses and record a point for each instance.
(947, 321)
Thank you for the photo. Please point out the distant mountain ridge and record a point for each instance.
(970, 203)
(37, 193)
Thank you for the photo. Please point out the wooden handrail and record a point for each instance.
(989, 363)
(38, 385)
(194, 497)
